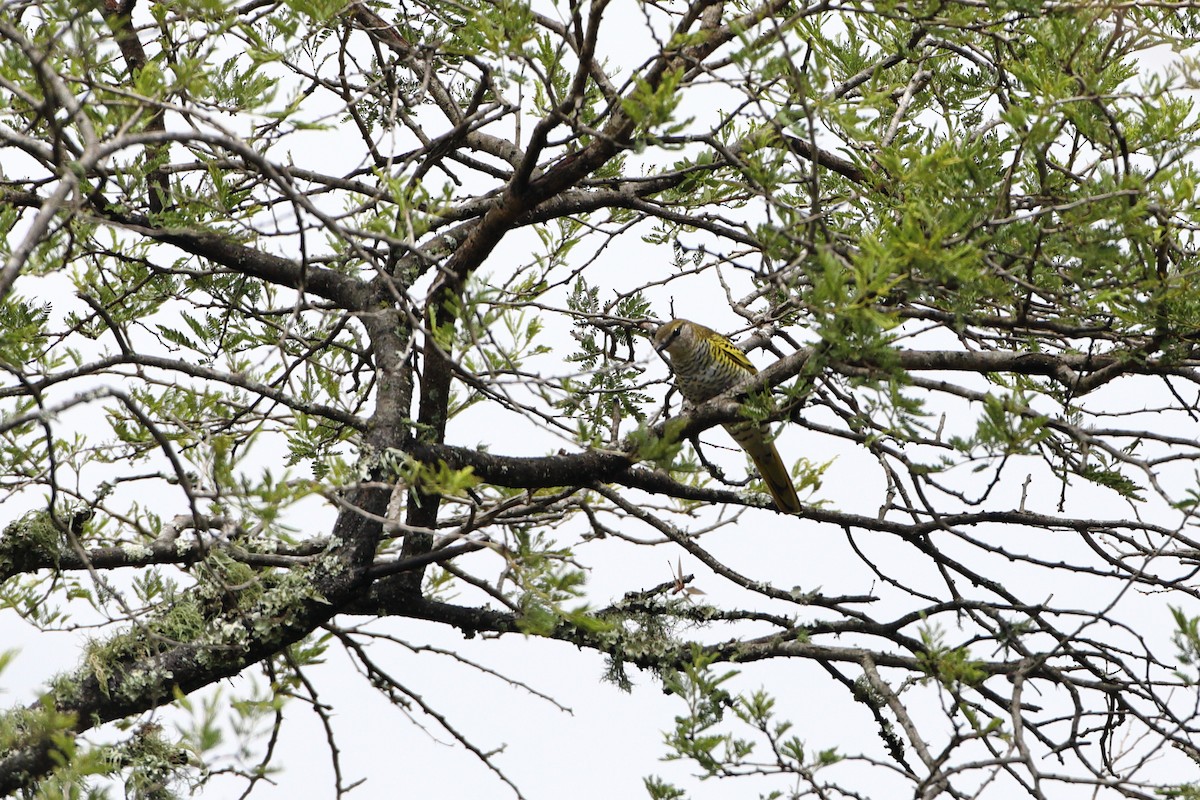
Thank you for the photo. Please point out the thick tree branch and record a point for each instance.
(174, 365)
(119, 16)
(223, 250)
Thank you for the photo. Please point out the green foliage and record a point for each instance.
(1113, 479)
(952, 667)
(22, 331)
(545, 580)
(601, 398)
(316, 440)
(1007, 427)
(318, 10)
(983, 725)
(1186, 639)
(217, 724)
(503, 27)
(652, 107)
(75, 764)
(437, 480)
(497, 334)
(807, 474)
(702, 734)
(696, 734)
(660, 451)
(657, 789)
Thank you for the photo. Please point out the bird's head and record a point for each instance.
(676, 336)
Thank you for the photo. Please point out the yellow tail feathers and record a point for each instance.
(774, 473)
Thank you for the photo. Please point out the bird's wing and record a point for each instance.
(725, 347)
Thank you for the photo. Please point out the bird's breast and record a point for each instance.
(701, 375)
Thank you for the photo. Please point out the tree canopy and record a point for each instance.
(325, 325)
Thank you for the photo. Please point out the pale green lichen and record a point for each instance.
(137, 552)
(231, 607)
(138, 683)
(183, 621)
(65, 688)
(154, 762)
(42, 722)
(233, 635)
(32, 540)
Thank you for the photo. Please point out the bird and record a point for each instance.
(706, 364)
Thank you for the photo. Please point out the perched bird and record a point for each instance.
(706, 364)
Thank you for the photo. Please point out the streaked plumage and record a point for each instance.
(706, 364)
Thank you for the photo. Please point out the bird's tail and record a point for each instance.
(755, 440)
